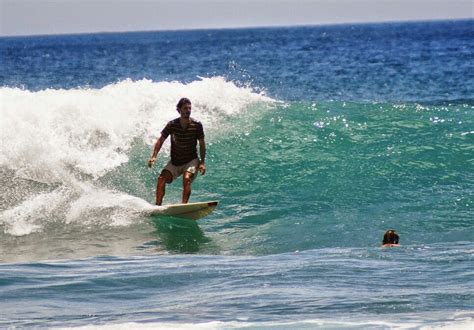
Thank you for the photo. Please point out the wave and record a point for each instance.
(60, 142)
(329, 173)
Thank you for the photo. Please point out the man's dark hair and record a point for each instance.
(182, 102)
(390, 237)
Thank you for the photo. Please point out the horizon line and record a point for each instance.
(276, 26)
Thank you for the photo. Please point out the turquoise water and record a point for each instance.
(319, 140)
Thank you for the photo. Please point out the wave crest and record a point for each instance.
(48, 134)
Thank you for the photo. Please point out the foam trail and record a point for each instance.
(120, 207)
(30, 215)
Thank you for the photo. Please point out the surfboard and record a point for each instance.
(192, 211)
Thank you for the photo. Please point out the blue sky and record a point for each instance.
(30, 17)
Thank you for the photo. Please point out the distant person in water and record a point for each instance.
(185, 133)
(390, 238)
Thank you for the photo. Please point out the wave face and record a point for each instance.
(299, 168)
(319, 139)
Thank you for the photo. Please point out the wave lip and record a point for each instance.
(48, 134)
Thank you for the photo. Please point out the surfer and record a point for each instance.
(185, 133)
(390, 238)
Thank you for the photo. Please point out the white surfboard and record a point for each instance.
(192, 211)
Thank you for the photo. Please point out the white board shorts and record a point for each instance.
(176, 171)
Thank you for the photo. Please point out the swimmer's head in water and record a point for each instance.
(390, 237)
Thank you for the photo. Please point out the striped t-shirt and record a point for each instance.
(183, 141)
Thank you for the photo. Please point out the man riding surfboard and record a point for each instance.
(185, 133)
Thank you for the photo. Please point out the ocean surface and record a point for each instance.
(319, 139)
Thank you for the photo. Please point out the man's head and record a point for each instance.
(390, 237)
(184, 107)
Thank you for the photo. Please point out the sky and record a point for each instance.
(37, 17)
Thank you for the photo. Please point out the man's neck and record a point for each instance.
(184, 122)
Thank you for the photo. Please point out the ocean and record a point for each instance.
(319, 139)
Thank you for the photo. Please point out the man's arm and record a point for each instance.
(157, 148)
(202, 154)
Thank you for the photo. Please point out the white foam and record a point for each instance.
(30, 215)
(304, 324)
(120, 207)
(81, 203)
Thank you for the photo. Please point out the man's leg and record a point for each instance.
(187, 181)
(164, 178)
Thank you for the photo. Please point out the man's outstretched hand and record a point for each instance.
(152, 162)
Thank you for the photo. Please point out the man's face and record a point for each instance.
(185, 110)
